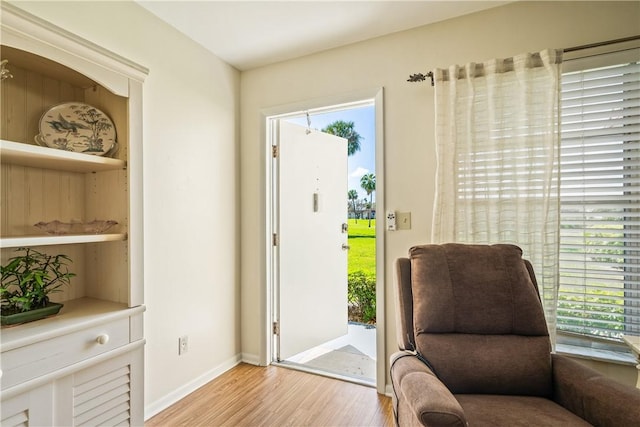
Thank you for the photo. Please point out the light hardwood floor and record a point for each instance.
(250, 395)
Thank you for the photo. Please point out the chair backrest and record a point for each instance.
(474, 312)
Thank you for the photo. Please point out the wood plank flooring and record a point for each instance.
(250, 395)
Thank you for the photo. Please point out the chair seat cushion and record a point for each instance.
(486, 410)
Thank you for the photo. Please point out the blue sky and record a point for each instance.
(363, 161)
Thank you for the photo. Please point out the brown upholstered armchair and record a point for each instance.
(476, 350)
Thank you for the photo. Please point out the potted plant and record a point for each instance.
(27, 281)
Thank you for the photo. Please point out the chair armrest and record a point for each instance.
(597, 399)
(416, 386)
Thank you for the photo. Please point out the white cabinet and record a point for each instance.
(101, 394)
(85, 365)
(31, 408)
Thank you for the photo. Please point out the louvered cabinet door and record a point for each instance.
(106, 394)
(31, 408)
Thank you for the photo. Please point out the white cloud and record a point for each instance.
(359, 172)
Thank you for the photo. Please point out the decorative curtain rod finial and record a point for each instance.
(4, 72)
(419, 77)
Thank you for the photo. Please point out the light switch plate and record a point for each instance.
(403, 221)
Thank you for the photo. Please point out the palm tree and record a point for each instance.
(345, 130)
(368, 184)
(353, 196)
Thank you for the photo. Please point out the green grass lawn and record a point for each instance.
(362, 240)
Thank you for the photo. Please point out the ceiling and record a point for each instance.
(250, 34)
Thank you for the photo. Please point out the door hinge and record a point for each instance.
(276, 328)
(274, 151)
(275, 239)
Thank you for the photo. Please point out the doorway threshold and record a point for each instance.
(351, 357)
(368, 382)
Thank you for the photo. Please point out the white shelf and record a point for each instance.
(75, 315)
(28, 241)
(49, 158)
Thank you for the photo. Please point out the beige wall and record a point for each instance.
(191, 191)
(409, 156)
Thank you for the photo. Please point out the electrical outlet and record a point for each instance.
(183, 345)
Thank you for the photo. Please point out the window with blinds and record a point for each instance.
(599, 293)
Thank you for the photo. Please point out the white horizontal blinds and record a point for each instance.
(599, 292)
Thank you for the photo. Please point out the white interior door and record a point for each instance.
(311, 238)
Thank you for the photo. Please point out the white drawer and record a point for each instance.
(31, 361)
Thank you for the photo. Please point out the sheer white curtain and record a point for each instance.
(497, 139)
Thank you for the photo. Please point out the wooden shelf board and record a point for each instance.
(49, 158)
(28, 241)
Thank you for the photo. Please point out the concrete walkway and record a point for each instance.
(352, 355)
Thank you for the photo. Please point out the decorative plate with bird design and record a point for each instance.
(78, 127)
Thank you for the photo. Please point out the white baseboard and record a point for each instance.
(188, 388)
(388, 390)
(252, 359)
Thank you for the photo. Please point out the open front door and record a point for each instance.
(312, 238)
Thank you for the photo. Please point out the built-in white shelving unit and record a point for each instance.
(96, 341)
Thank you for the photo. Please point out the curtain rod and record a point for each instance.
(419, 77)
(598, 44)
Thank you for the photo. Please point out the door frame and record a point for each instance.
(269, 176)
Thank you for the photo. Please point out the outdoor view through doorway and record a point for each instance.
(353, 354)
